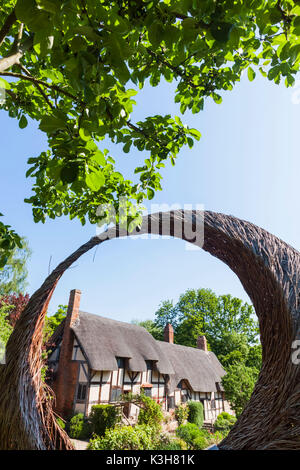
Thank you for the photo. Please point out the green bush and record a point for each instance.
(79, 427)
(103, 417)
(140, 437)
(188, 432)
(176, 444)
(181, 414)
(196, 415)
(200, 443)
(194, 437)
(224, 422)
(151, 414)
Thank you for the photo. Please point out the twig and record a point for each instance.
(37, 86)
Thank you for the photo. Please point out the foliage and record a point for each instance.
(71, 67)
(5, 328)
(202, 312)
(79, 427)
(61, 423)
(231, 331)
(224, 422)
(198, 439)
(13, 275)
(195, 413)
(16, 303)
(151, 327)
(200, 443)
(150, 414)
(168, 442)
(103, 417)
(141, 437)
(52, 322)
(238, 384)
(188, 432)
(181, 413)
(9, 240)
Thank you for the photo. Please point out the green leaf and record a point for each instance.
(127, 146)
(150, 193)
(95, 180)
(69, 173)
(251, 74)
(23, 122)
(99, 158)
(221, 31)
(51, 124)
(4, 84)
(84, 134)
(156, 34)
(25, 9)
(273, 72)
(52, 6)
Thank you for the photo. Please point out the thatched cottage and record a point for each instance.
(95, 360)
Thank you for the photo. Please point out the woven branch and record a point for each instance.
(268, 269)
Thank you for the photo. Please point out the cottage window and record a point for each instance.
(121, 362)
(115, 394)
(81, 392)
(149, 365)
(147, 391)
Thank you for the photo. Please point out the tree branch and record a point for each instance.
(13, 59)
(7, 25)
(40, 82)
(175, 69)
(46, 98)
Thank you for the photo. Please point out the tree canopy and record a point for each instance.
(75, 66)
(13, 277)
(202, 312)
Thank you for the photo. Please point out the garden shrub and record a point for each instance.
(224, 422)
(200, 443)
(103, 417)
(196, 414)
(79, 427)
(141, 437)
(181, 414)
(194, 437)
(151, 414)
(188, 432)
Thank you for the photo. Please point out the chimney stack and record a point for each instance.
(202, 343)
(64, 385)
(169, 333)
(73, 306)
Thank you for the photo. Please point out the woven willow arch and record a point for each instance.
(268, 269)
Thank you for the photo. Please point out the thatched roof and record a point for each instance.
(103, 339)
(200, 368)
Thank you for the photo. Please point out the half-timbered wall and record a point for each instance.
(95, 387)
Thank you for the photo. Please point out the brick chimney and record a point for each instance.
(66, 378)
(202, 343)
(169, 333)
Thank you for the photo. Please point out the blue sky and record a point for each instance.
(246, 164)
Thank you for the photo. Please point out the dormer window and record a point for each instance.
(149, 365)
(121, 362)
